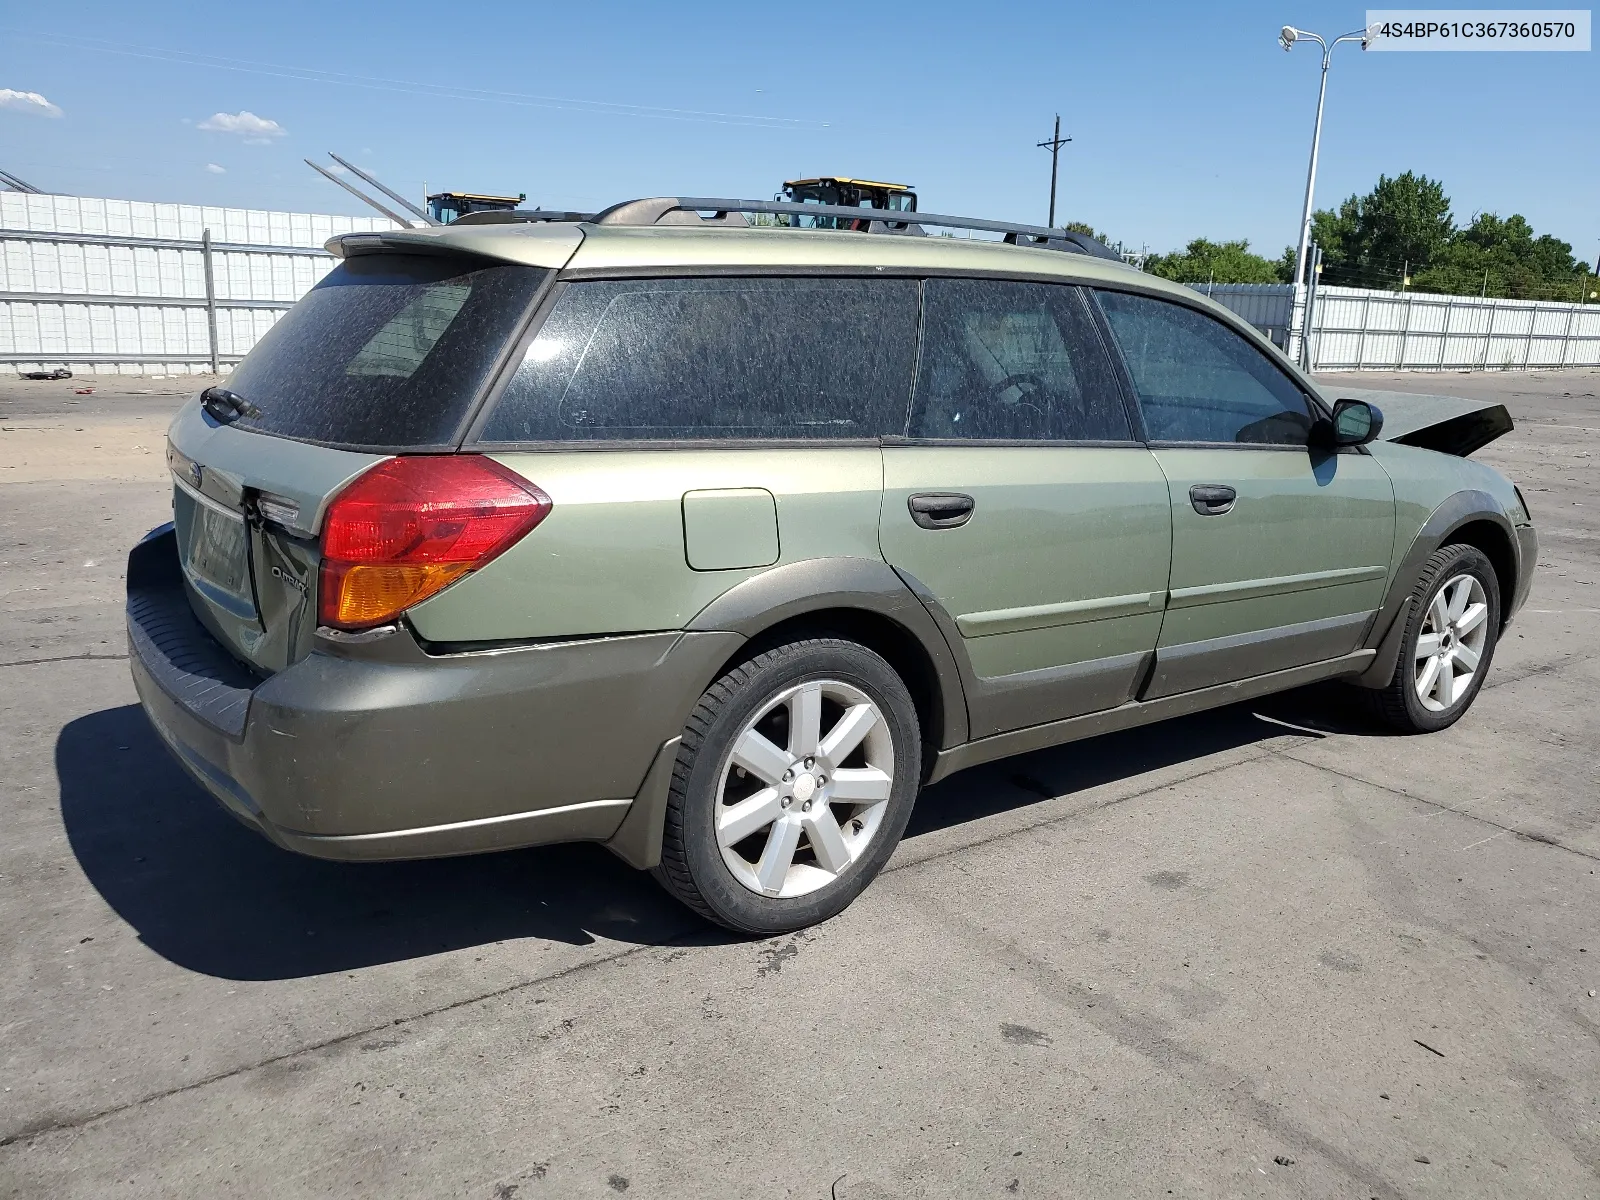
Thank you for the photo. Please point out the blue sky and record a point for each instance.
(1187, 119)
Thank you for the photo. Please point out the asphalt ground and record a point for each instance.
(1267, 951)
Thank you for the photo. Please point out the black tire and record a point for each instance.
(692, 867)
(1397, 704)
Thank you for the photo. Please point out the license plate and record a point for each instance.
(214, 547)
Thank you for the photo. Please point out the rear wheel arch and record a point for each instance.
(862, 600)
(887, 638)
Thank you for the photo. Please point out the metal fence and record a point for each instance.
(1360, 329)
(128, 287)
(119, 286)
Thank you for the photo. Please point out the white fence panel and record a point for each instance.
(1359, 329)
(62, 290)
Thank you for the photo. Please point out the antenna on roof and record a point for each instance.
(393, 195)
(17, 185)
(403, 221)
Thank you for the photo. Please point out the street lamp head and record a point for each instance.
(1288, 37)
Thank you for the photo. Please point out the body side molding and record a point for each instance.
(1249, 589)
(1046, 616)
(1134, 713)
(1191, 666)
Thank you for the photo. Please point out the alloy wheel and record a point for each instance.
(804, 789)
(1451, 642)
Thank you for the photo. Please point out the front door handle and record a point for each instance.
(1212, 499)
(940, 510)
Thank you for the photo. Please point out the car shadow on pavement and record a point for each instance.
(209, 894)
(215, 897)
(1012, 783)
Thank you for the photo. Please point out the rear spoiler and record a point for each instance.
(1449, 424)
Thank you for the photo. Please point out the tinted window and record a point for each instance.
(1013, 360)
(388, 351)
(716, 358)
(1198, 381)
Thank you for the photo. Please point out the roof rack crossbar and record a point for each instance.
(881, 220)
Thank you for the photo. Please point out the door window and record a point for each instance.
(1199, 381)
(1013, 361)
(716, 358)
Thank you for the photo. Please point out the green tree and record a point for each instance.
(1204, 261)
(1503, 257)
(1087, 229)
(1406, 220)
(1404, 227)
(1370, 240)
(1335, 232)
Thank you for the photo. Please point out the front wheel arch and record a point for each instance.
(1495, 543)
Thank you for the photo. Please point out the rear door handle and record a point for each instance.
(1212, 499)
(940, 510)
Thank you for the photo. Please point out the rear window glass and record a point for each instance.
(716, 358)
(389, 351)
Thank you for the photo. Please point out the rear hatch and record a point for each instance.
(391, 353)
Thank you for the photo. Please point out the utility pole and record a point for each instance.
(1054, 146)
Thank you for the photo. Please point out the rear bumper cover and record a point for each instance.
(382, 751)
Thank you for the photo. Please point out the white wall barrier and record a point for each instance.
(120, 286)
(1361, 329)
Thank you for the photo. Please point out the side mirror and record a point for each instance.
(1354, 423)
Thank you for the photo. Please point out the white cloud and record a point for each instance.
(28, 102)
(216, 170)
(244, 123)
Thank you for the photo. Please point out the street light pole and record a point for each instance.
(1054, 146)
(1287, 38)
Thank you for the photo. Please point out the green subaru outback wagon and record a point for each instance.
(716, 543)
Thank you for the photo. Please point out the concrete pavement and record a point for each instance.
(1266, 951)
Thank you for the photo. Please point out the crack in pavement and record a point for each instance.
(28, 1133)
(34, 662)
(1542, 839)
(1529, 672)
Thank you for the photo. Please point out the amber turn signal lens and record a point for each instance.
(370, 594)
(410, 527)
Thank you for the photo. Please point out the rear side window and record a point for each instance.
(1199, 381)
(389, 351)
(1013, 361)
(716, 358)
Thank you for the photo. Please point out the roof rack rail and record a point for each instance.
(685, 210)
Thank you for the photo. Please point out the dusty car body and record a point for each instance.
(791, 523)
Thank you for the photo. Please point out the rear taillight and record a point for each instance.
(411, 527)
